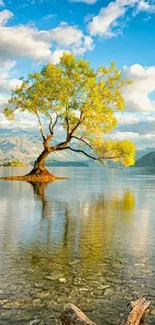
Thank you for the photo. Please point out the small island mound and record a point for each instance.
(15, 163)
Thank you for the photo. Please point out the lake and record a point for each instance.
(89, 240)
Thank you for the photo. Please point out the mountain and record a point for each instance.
(146, 161)
(141, 153)
(26, 150)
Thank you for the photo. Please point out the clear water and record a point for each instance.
(89, 240)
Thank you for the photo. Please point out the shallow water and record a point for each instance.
(89, 240)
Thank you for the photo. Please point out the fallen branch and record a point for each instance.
(72, 315)
(138, 309)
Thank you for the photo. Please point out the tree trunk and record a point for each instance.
(39, 173)
(39, 165)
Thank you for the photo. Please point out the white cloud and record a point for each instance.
(3, 102)
(88, 18)
(103, 23)
(22, 120)
(89, 2)
(107, 22)
(145, 6)
(6, 82)
(13, 46)
(5, 15)
(137, 95)
(141, 141)
(64, 35)
(86, 46)
(37, 44)
(50, 16)
(56, 55)
(127, 119)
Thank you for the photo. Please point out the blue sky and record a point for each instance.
(34, 32)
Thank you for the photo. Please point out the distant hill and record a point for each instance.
(146, 161)
(141, 153)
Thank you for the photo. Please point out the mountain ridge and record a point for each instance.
(27, 150)
(147, 160)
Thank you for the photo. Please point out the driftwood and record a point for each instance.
(138, 309)
(72, 315)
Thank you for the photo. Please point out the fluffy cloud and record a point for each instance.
(6, 82)
(3, 102)
(89, 2)
(127, 118)
(64, 35)
(38, 43)
(141, 141)
(137, 96)
(134, 123)
(107, 22)
(5, 15)
(145, 6)
(23, 121)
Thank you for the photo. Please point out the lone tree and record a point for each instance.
(83, 101)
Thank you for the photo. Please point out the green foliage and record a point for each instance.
(83, 100)
(9, 113)
(121, 151)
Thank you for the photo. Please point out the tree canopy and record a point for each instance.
(82, 100)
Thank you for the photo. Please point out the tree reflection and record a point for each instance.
(89, 232)
(39, 192)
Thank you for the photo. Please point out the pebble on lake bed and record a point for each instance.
(54, 277)
(62, 280)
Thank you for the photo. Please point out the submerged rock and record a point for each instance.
(108, 292)
(62, 280)
(39, 285)
(74, 262)
(35, 321)
(54, 277)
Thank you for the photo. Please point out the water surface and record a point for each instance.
(89, 240)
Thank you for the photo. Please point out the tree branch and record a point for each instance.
(52, 125)
(40, 126)
(76, 126)
(80, 119)
(100, 159)
(67, 123)
(80, 139)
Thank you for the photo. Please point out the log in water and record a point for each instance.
(72, 315)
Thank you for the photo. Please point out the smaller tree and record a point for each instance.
(83, 101)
